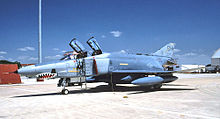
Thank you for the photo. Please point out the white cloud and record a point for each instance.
(30, 48)
(54, 57)
(203, 55)
(122, 51)
(26, 49)
(10, 59)
(176, 50)
(186, 54)
(3, 52)
(33, 58)
(27, 58)
(103, 36)
(2, 57)
(22, 57)
(116, 33)
(63, 51)
(193, 58)
(56, 49)
(190, 54)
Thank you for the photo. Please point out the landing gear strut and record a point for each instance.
(112, 85)
(64, 84)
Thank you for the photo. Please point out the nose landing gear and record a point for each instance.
(65, 91)
(63, 83)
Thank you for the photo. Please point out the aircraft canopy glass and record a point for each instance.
(77, 46)
(93, 44)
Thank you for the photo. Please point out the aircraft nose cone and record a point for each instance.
(26, 70)
(22, 71)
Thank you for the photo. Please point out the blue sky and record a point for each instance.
(131, 25)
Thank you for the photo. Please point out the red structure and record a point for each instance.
(9, 78)
(23, 65)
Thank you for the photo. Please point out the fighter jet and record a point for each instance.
(113, 68)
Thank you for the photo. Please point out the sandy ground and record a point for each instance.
(195, 96)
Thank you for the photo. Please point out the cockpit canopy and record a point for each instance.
(78, 47)
(95, 46)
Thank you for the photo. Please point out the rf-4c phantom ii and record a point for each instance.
(114, 68)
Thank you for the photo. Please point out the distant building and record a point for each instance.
(215, 62)
(24, 65)
(216, 58)
(193, 68)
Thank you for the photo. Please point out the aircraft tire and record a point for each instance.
(65, 91)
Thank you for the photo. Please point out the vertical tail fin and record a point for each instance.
(167, 50)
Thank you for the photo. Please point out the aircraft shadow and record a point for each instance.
(173, 85)
(105, 88)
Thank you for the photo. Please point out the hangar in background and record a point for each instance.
(216, 58)
(192, 68)
(215, 62)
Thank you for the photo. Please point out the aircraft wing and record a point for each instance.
(141, 71)
(154, 72)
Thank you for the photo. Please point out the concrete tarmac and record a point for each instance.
(193, 96)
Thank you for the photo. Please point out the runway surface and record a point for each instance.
(194, 96)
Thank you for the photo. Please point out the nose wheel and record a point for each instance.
(65, 91)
